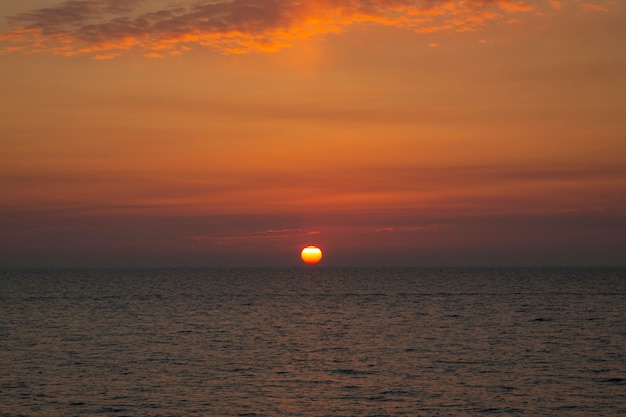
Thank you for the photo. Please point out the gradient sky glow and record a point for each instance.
(387, 132)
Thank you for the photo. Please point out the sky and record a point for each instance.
(388, 132)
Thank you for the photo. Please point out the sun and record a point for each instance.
(311, 254)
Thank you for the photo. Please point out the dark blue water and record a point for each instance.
(313, 342)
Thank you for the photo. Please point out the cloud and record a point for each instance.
(417, 228)
(591, 7)
(231, 239)
(556, 4)
(108, 28)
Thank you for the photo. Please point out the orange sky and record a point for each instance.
(234, 133)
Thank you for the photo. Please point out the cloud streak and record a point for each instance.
(109, 28)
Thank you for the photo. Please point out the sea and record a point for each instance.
(313, 341)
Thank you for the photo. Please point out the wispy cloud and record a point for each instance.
(557, 4)
(592, 7)
(583, 5)
(109, 28)
(415, 228)
(229, 239)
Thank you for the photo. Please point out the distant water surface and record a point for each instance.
(313, 342)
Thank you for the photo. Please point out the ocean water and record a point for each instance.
(313, 342)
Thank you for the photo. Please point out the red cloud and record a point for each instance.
(108, 28)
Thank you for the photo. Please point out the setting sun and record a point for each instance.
(311, 254)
